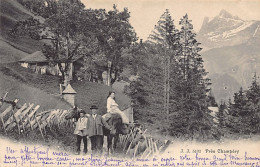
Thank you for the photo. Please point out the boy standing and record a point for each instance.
(81, 132)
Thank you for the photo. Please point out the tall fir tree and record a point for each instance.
(222, 116)
(253, 105)
(194, 118)
(244, 116)
(166, 39)
(146, 90)
(253, 94)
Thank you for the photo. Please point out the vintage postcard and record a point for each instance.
(130, 83)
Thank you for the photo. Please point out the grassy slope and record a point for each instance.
(21, 84)
(11, 12)
(9, 53)
(13, 49)
(88, 93)
(28, 94)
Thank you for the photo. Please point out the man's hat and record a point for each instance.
(93, 107)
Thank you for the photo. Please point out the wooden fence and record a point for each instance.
(27, 117)
(137, 144)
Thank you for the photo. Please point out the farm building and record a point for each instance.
(41, 65)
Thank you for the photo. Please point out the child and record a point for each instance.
(81, 132)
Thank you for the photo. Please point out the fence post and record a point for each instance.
(10, 108)
(3, 122)
(39, 127)
(17, 122)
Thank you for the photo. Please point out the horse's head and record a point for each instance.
(116, 122)
(73, 113)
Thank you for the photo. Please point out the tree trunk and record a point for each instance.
(113, 79)
(165, 84)
(168, 88)
(62, 72)
(109, 76)
(66, 79)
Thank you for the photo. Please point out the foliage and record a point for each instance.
(115, 33)
(73, 32)
(146, 90)
(244, 113)
(172, 82)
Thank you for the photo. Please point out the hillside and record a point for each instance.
(233, 52)
(14, 47)
(28, 94)
(10, 54)
(39, 87)
(88, 93)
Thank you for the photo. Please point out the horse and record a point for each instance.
(115, 122)
(74, 113)
(118, 127)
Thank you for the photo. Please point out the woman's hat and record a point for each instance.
(93, 107)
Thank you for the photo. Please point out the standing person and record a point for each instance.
(81, 132)
(95, 130)
(112, 107)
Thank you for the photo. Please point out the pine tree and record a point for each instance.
(253, 105)
(147, 90)
(196, 121)
(253, 94)
(222, 116)
(245, 113)
(211, 100)
(165, 38)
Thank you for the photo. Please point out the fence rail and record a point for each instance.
(28, 117)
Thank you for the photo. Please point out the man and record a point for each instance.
(95, 130)
(81, 132)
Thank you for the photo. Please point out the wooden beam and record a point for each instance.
(39, 126)
(51, 115)
(29, 116)
(18, 116)
(3, 123)
(11, 119)
(42, 113)
(43, 120)
(8, 109)
(136, 149)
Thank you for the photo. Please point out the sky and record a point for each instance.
(146, 13)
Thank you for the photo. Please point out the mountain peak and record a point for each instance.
(225, 14)
(226, 30)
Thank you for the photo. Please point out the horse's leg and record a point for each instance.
(115, 141)
(109, 143)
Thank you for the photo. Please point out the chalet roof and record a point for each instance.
(69, 90)
(36, 57)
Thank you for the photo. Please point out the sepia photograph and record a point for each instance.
(130, 83)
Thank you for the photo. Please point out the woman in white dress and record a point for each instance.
(112, 107)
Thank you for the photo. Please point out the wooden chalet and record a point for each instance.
(41, 65)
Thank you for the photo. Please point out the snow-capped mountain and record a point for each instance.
(233, 52)
(227, 30)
